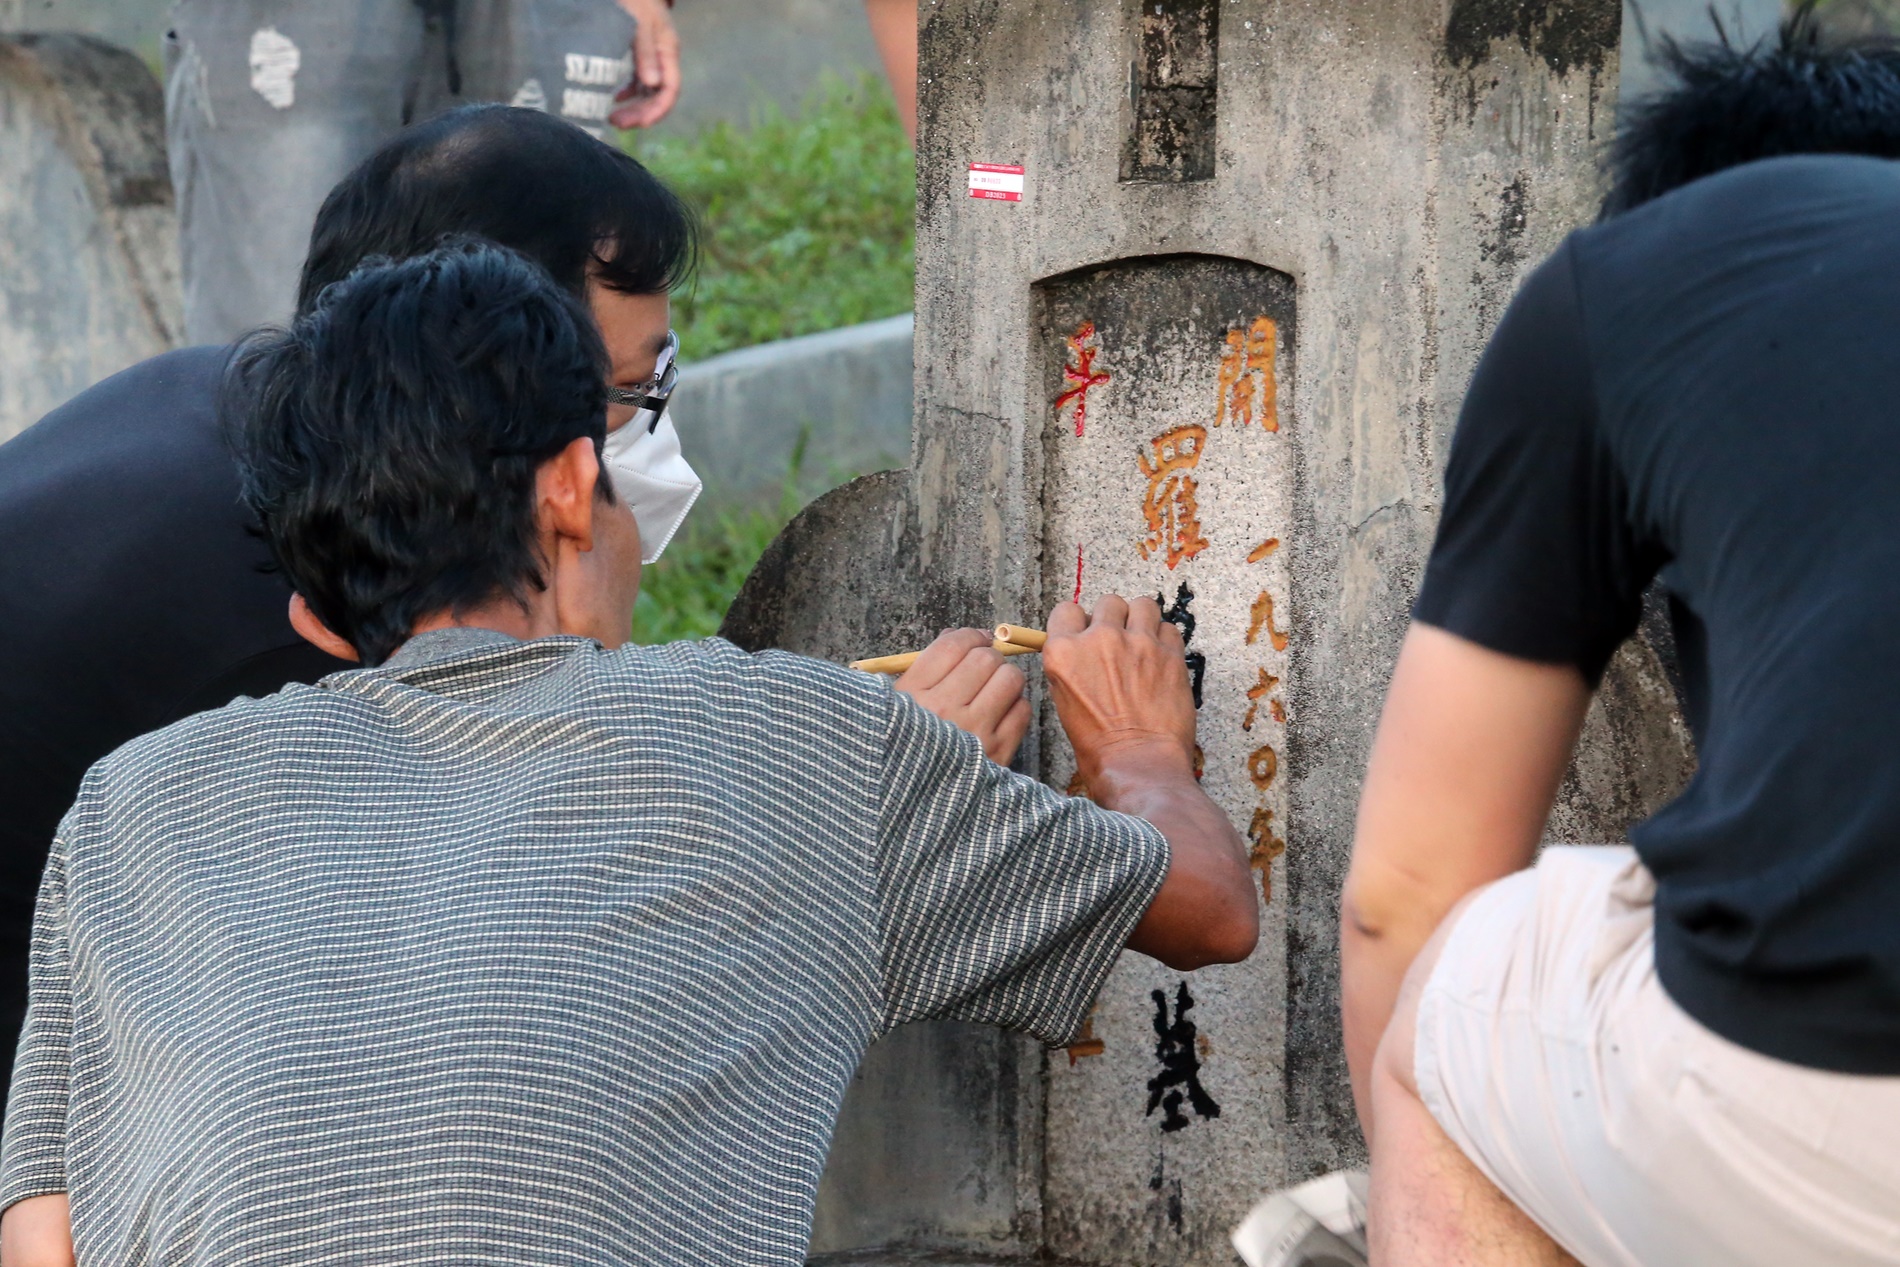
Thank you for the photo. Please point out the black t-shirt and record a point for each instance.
(131, 594)
(1707, 390)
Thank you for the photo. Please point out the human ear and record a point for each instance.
(316, 633)
(564, 489)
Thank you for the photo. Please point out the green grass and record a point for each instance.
(685, 594)
(808, 218)
(808, 226)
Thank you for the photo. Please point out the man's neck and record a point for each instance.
(537, 618)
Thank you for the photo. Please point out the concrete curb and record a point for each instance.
(847, 392)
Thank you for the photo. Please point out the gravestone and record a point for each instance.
(88, 239)
(1213, 353)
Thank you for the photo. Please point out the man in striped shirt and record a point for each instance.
(520, 945)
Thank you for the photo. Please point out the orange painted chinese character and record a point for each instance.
(1266, 847)
(1262, 619)
(1246, 367)
(1171, 506)
(1081, 374)
(1262, 550)
(1262, 766)
(1086, 1044)
(1256, 693)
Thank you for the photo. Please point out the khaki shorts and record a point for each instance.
(1549, 1053)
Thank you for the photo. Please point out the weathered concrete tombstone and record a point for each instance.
(88, 240)
(1212, 353)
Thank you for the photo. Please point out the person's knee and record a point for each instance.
(1393, 1062)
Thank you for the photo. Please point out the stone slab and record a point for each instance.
(88, 239)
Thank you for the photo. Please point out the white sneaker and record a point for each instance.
(1320, 1223)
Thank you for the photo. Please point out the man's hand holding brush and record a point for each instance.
(1119, 680)
(961, 678)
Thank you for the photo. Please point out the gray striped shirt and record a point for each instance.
(527, 953)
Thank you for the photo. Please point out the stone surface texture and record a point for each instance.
(839, 400)
(88, 240)
(1268, 363)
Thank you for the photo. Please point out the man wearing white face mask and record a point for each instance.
(644, 460)
(133, 591)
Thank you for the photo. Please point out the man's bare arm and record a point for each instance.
(1470, 750)
(894, 28)
(37, 1232)
(655, 86)
(1120, 684)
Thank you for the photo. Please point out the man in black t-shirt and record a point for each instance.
(1687, 1051)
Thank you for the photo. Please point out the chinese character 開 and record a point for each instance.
(1246, 369)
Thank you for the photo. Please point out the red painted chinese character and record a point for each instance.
(1081, 374)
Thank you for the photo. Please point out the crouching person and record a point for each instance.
(1685, 1052)
(521, 945)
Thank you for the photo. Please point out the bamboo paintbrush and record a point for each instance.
(1010, 640)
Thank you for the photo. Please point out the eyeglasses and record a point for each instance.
(648, 400)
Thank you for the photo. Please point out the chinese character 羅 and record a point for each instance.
(1171, 506)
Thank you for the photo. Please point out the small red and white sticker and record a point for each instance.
(996, 180)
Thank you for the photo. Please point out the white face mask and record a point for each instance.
(652, 477)
(644, 461)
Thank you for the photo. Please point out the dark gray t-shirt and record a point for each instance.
(1707, 391)
(528, 953)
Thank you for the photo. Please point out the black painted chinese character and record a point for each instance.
(1180, 1076)
(1181, 617)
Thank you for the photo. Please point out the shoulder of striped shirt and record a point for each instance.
(811, 680)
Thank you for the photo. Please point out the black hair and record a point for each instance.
(388, 439)
(1801, 91)
(524, 179)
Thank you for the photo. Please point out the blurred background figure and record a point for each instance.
(269, 102)
(894, 27)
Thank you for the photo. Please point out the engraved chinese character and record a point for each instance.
(1262, 621)
(1258, 692)
(1086, 1044)
(1181, 616)
(1247, 375)
(1180, 1077)
(1171, 506)
(1080, 374)
(1265, 848)
(1262, 764)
